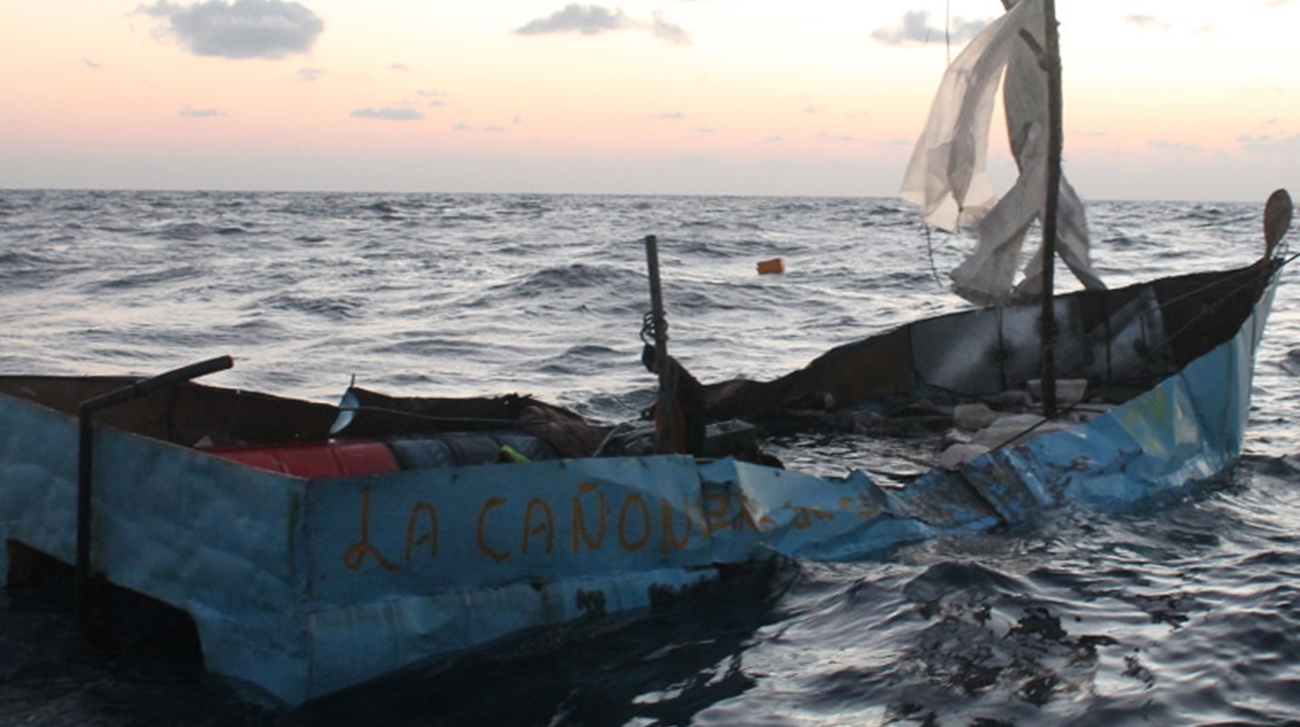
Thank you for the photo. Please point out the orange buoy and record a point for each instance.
(769, 267)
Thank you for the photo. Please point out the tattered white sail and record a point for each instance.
(948, 176)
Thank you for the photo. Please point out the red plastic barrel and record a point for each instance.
(315, 460)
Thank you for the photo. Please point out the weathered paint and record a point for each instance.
(1184, 431)
(307, 587)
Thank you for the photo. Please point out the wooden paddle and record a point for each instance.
(1277, 219)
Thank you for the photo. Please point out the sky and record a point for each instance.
(1164, 99)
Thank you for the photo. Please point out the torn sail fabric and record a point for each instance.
(954, 192)
(948, 175)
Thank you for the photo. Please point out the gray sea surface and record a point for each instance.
(1185, 613)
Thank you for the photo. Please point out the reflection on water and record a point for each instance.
(1185, 613)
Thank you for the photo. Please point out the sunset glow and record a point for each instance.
(1188, 100)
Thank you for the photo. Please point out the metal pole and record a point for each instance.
(1055, 142)
(86, 589)
(665, 439)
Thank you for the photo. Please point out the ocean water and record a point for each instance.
(1183, 614)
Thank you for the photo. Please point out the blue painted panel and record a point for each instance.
(192, 527)
(38, 475)
(358, 642)
(750, 509)
(429, 531)
(200, 533)
(1012, 481)
(943, 500)
(1187, 429)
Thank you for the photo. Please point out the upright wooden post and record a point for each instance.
(665, 439)
(1055, 142)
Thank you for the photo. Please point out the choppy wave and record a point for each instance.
(1182, 614)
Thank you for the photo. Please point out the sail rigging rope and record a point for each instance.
(929, 250)
(649, 324)
(947, 31)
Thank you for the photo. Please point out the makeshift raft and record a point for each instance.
(311, 561)
(316, 548)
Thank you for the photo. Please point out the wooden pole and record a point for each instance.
(1055, 143)
(665, 439)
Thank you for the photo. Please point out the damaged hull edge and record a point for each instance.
(308, 586)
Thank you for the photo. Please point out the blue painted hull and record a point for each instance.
(305, 587)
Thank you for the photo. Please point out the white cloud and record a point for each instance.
(834, 137)
(387, 114)
(200, 113)
(491, 128)
(668, 32)
(595, 20)
(915, 27)
(584, 19)
(310, 74)
(268, 29)
(436, 98)
(1272, 145)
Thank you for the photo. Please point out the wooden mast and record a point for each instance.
(1051, 62)
(1049, 58)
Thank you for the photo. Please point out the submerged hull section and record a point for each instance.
(307, 586)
